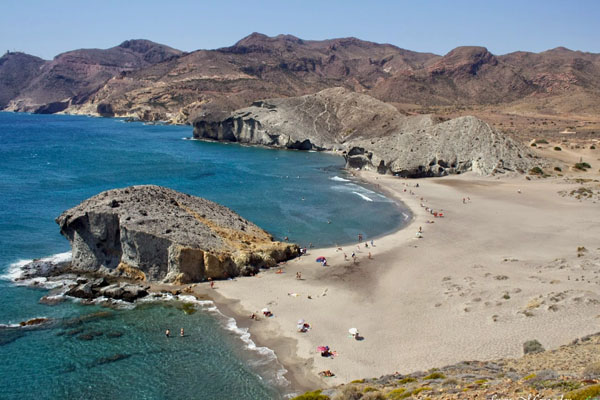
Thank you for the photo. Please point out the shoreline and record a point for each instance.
(369, 288)
(473, 277)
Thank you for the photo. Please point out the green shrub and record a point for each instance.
(533, 145)
(435, 375)
(586, 393)
(557, 148)
(421, 389)
(592, 147)
(408, 379)
(315, 395)
(536, 171)
(369, 389)
(558, 169)
(582, 166)
(541, 141)
(358, 381)
(398, 394)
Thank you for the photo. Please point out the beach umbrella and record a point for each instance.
(353, 331)
(322, 348)
(264, 310)
(300, 322)
(320, 259)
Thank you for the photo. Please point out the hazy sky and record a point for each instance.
(47, 28)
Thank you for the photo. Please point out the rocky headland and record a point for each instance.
(156, 234)
(372, 135)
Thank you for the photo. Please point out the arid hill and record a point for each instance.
(159, 83)
(52, 86)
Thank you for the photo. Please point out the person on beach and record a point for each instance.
(370, 258)
(372, 245)
(298, 275)
(168, 333)
(360, 237)
(346, 256)
(212, 283)
(181, 333)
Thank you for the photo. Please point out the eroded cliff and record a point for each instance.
(157, 234)
(371, 134)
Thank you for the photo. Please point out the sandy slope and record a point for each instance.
(495, 271)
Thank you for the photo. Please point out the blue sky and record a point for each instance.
(47, 28)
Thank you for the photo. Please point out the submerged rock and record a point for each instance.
(157, 234)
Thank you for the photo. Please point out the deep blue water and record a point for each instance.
(51, 163)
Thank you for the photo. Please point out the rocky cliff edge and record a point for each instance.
(372, 135)
(157, 234)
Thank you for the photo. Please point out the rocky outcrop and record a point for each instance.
(157, 234)
(372, 135)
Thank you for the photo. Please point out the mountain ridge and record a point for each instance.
(170, 85)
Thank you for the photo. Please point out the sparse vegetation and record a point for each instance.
(541, 141)
(408, 379)
(589, 392)
(506, 296)
(557, 148)
(532, 346)
(435, 375)
(314, 395)
(397, 394)
(582, 166)
(536, 171)
(558, 169)
(592, 147)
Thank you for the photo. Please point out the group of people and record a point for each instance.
(168, 333)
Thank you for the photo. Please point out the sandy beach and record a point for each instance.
(510, 260)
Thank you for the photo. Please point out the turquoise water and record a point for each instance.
(49, 163)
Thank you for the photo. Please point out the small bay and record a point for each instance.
(49, 163)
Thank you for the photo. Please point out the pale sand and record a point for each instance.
(476, 286)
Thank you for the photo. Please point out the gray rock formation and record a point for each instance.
(371, 135)
(157, 234)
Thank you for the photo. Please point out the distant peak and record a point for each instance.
(256, 38)
(560, 49)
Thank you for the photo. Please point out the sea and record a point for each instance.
(49, 163)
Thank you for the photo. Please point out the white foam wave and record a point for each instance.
(15, 271)
(361, 191)
(363, 196)
(11, 325)
(338, 179)
(405, 215)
